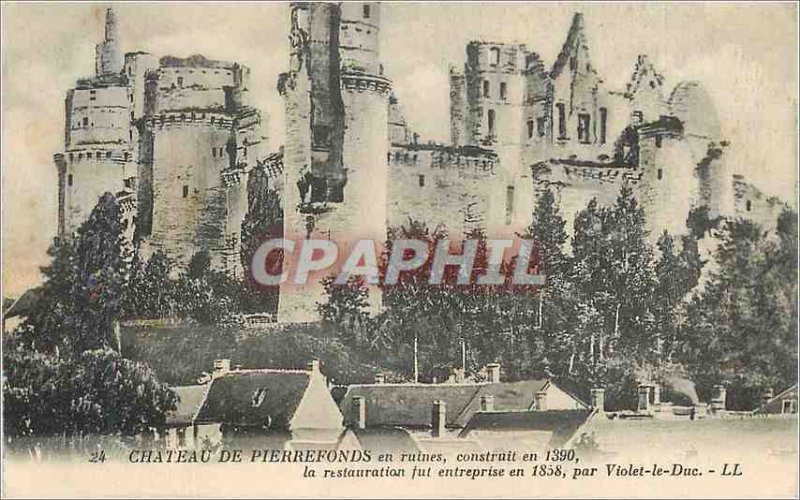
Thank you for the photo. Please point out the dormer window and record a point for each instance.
(494, 56)
(258, 397)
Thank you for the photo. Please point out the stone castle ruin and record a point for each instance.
(176, 138)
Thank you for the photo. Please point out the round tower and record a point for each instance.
(98, 155)
(335, 157)
(193, 193)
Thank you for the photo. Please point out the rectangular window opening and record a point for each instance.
(503, 90)
(603, 124)
(421, 181)
(185, 191)
(486, 88)
(562, 121)
(509, 204)
(583, 128)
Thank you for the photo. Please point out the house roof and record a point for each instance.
(23, 305)
(407, 405)
(506, 396)
(410, 405)
(254, 398)
(771, 406)
(562, 423)
(385, 439)
(190, 398)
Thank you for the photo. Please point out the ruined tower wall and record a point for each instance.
(441, 186)
(336, 173)
(199, 140)
(669, 188)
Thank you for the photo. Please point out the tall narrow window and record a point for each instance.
(658, 141)
(530, 129)
(491, 115)
(92, 95)
(214, 152)
(503, 90)
(603, 124)
(541, 126)
(421, 181)
(749, 205)
(660, 173)
(85, 121)
(185, 191)
(486, 88)
(562, 121)
(509, 204)
(494, 56)
(366, 11)
(69, 180)
(583, 128)
(180, 81)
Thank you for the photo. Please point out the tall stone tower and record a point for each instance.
(98, 155)
(335, 158)
(199, 139)
(108, 58)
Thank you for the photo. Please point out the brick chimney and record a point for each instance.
(768, 394)
(718, 402)
(598, 399)
(221, 367)
(644, 397)
(438, 418)
(380, 378)
(493, 372)
(487, 403)
(540, 401)
(360, 411)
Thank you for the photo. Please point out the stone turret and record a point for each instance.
(108, 57)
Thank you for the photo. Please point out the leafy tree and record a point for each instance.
(346, 307)
(151, 291)
(743, 323)
(101, 276)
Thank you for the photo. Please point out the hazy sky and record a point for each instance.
(744, 54)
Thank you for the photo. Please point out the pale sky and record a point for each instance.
(744, 54)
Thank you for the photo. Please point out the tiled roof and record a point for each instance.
(562, 423)
(407, 405)
(190, 398)
(775, 405)
(255, 398)
(386, 439)
(506, 396)
(410, 405)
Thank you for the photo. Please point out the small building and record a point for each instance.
(181, 429)
(272, 409)
(443, 410)
(783, 403)
(528, 430)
